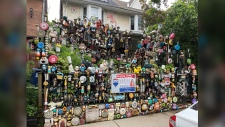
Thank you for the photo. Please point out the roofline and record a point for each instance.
(132, 2)
(99, 4)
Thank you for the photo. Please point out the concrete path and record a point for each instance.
(150, 120)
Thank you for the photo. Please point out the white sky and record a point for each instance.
(54, 8)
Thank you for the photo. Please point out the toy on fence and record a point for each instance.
(86, 89)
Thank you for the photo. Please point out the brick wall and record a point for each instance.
(37, 16)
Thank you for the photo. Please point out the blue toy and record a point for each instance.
(53, 69)
(82, 68)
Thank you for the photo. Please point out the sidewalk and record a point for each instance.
(150, 120)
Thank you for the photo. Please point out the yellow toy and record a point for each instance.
(172, 85)
(137, 69)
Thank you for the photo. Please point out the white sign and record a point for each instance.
(123, 83)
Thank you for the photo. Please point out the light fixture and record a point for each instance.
(45, 17)
(31, 12)
(118, 28)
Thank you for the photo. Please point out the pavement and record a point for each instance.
(150, 120)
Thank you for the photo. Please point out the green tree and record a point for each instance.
(182, 19)
(153, 14)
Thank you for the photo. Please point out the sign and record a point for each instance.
(73, 9)
(123, 83)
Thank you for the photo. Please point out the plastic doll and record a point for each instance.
(82, 68)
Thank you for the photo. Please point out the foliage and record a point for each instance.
(87, 57)
(51, 52)
(100, 62)
(153, 15)
(29, 66)
(31, 99)
(31, 91)
(75, 58)
(169, 66)
(151, 28)
(182, 19)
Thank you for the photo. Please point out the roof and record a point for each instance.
(121, 3)
(130, 2)
(109, 2)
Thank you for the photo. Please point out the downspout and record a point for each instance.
(61, 9)
(66, 8)
(43, 11)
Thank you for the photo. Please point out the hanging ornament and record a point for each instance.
(171, 41)
(188, 61)
(172, 36)
(170, 61)
(44, 26)
(177, 47)
(53, 59)
(40, 45)
(38, 53)
(43, 52)
(192, 66)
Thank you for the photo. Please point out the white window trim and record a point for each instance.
(89, 11)
(136, 30)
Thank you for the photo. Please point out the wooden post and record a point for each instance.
(40, 101)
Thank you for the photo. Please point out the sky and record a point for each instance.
(54, 7)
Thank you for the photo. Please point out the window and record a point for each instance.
(85, 12)
(94, 13)
(140, 23)
(132, 22)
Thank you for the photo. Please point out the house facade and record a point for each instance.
(126, 15)
(36, 9)
(35, 15)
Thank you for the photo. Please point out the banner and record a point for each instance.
(123, 83)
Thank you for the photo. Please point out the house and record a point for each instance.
(126, 15)
(36, 9)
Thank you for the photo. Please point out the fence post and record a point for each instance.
(40, 101)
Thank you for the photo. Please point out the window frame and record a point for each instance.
(132, 16)
(98, 16)
(140, 22)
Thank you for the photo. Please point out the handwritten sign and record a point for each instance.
(123, 83)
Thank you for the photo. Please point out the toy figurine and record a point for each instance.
(76, 72)
(44, 67)
(49, 70)
(137, 69)
(194, 72)
(143, 70)
(111, 64)
(128, 68)
(134, 61)
(82, 68)
(53, 69)
(71, 70)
